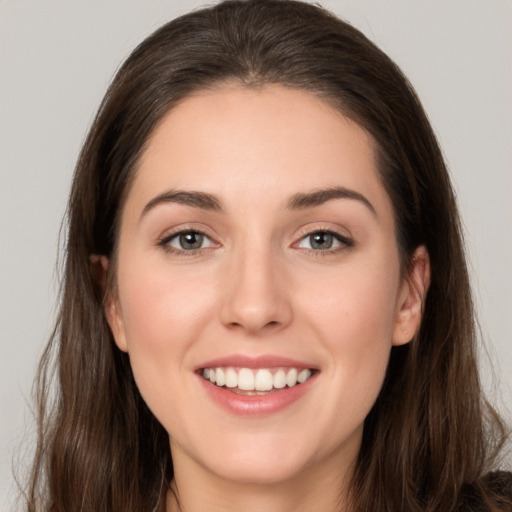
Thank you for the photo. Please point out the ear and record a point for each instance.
(99, 269)
(111, 304)
(412, 295)
(115, 320)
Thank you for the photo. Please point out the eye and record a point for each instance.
(324, 241)
(187, 241)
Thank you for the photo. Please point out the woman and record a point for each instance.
(265, 303)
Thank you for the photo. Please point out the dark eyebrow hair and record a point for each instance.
(190, 198)
(318, 197)
(299, 201)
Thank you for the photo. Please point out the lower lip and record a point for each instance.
(256, 405)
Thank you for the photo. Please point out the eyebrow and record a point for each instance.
(299, 201)
(317, 197)
(200, 200)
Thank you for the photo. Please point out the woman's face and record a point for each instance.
(257, 247)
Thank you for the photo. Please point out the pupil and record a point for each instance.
(321, 240)
(191, 240)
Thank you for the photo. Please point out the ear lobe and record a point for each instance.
(115, 321)
(412, 297)
(99, 265)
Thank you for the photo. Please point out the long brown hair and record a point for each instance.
(430, 437)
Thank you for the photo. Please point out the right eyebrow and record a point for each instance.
(200, 200)
(318, 197)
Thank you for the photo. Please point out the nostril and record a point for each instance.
(274, 324)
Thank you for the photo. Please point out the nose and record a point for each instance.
(257, 295)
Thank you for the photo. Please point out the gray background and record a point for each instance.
(56, 59)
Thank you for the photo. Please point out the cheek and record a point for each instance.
(164, 313)
(162, 309)
(356, 303)
(353, 316)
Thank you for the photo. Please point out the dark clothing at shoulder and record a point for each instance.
(495, 488)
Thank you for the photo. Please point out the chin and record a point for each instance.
(243, 469)
(260, 458)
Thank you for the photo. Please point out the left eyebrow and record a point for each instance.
(301, 201)
(199, 200)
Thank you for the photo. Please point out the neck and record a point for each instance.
(319, 487)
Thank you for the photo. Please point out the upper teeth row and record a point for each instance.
(256, 380)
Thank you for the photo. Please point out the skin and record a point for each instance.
(256, 287)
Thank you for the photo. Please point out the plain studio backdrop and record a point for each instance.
(56, 60)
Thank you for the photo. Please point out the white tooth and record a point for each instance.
(303, 376)
(212, 376)
(263, 380)
(231, 378)
(246, 379)
(291, 377)
(206, 373)
(279, 379)
(220, 378)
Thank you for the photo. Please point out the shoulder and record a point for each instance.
(491, 493)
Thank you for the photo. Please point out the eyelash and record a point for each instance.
(344, 241)
(167, 239)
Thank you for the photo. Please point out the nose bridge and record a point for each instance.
(257, 296)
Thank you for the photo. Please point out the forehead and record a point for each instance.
(248, 143)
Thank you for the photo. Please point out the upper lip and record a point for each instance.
(263, 361)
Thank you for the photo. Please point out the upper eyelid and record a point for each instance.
(185, 228)
(166, 239)
(321, 228)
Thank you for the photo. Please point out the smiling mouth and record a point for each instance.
(262, 381)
